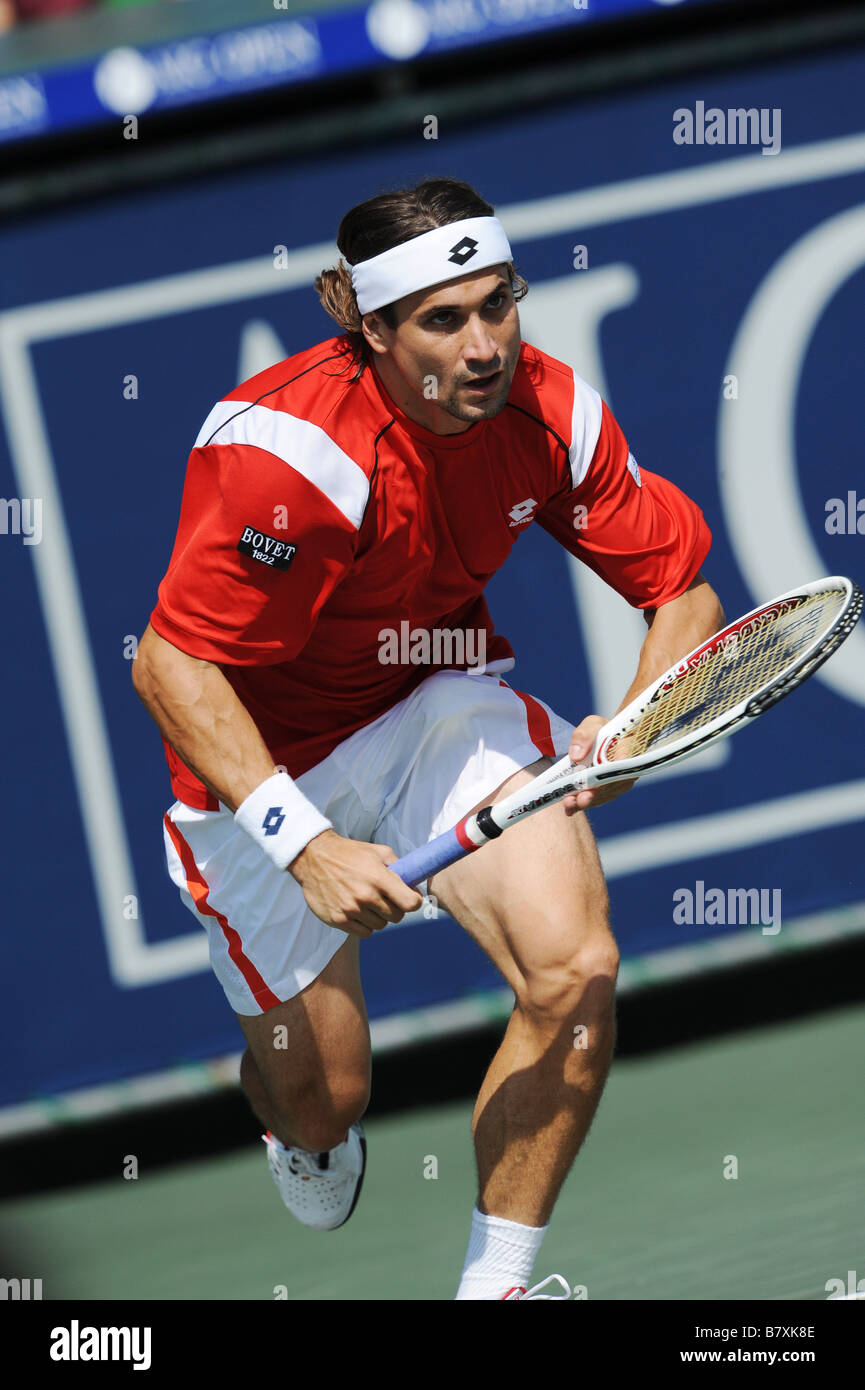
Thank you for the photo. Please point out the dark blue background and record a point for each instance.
(121, 466)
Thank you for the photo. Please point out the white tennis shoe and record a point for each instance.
(321, 1190)
(535, 1292)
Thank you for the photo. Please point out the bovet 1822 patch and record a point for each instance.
(259, 546)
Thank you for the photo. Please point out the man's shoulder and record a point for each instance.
(555, 398)
(314, 401)
(307, 384)
(551, 391)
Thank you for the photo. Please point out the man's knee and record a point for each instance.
(314, 1111)
(574, 985)
(321, 1122)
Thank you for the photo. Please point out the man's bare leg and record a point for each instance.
(535, 900)
(306, 1071)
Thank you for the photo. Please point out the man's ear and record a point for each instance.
(373, 329)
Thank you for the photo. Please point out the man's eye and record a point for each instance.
(495, 301)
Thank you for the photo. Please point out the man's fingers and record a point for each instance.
(378, 911)
(579, 801)
(352, 916)
(386, 902)
(347, 885)
(369, 920)
(403, 899)
(355, 929)
(395, 892)
(598, 796)
(583, 737)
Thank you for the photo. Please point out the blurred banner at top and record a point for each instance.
(301, 42)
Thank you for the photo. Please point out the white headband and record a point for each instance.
(445, 253)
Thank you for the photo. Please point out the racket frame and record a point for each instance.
(598, 771)
(566, 778)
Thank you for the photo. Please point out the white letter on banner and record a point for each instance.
(770, 534)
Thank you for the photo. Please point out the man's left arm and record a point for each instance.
(675, 629)
(646, 539)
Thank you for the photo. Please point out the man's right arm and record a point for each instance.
(345, 882)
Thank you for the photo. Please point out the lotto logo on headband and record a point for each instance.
(463, 251)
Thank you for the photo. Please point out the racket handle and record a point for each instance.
(437, 854)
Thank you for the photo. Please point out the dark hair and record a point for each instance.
(385, 221)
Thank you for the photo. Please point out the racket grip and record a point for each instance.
(437, 854)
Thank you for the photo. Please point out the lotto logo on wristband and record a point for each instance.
(272, 823)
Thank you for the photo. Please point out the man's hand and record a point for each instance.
(675, 629)
(582, 743)
(347, 884)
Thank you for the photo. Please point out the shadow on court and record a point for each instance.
(437, 1073)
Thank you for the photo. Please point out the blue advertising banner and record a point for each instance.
(129, 81)
(703, 269)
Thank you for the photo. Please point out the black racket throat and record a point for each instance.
(485, 823)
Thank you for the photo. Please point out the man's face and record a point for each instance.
(454, 349)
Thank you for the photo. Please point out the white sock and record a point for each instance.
(500, 1257)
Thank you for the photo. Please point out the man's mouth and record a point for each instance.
(480, 385)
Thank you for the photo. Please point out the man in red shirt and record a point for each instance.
(327, 678)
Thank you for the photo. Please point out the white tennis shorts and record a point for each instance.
(399, 781)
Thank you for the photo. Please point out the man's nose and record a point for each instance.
(481, 346)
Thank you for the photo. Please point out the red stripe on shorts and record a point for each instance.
(540, 732)
(199, 890)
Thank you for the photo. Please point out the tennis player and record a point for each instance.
(369, 486)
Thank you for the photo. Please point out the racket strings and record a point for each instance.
(731, 670)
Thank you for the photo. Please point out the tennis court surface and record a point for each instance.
(647, 1212)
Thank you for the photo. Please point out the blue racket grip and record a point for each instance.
(437, 854)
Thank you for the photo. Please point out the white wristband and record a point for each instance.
(280, 819)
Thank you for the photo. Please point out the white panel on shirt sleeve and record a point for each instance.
(585, 428)
(218, 416)
(302, 445)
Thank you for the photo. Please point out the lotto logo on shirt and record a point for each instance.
(522, 512)
(266, 548)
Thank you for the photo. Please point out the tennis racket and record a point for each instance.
(732, 679)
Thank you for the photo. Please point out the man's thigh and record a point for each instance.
(534, 899)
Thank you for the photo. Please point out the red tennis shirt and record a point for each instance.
(316, 517)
